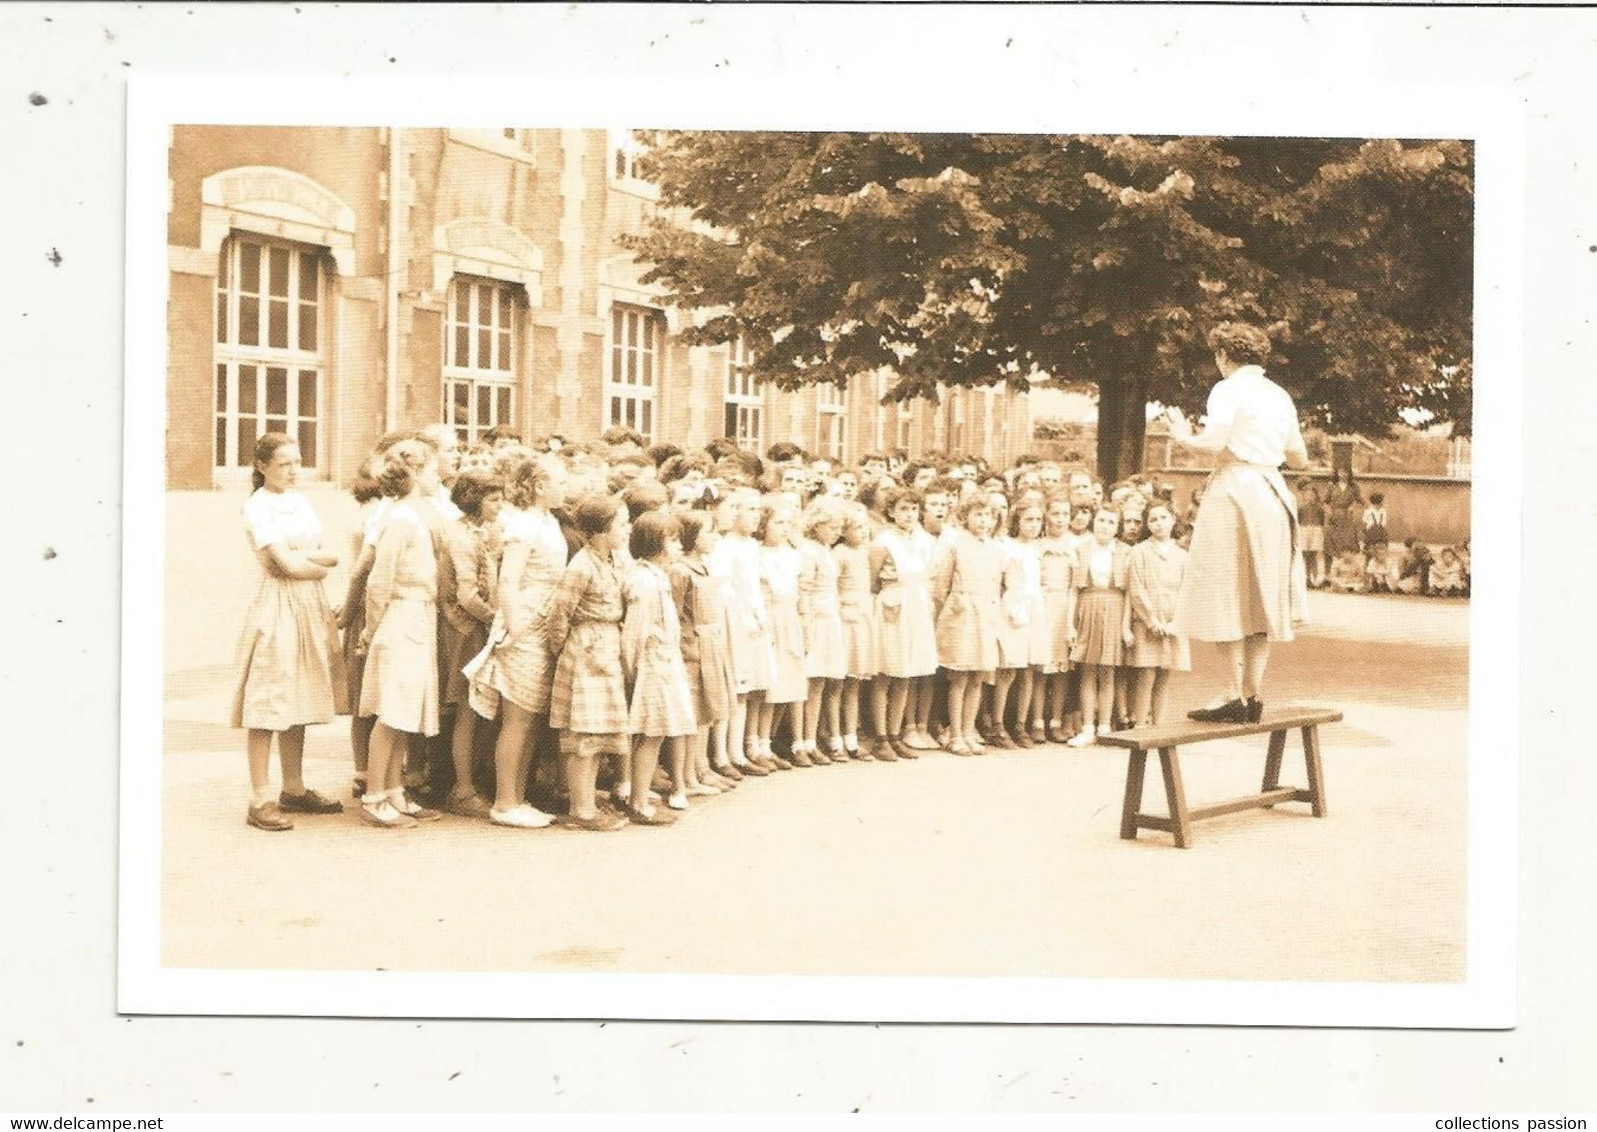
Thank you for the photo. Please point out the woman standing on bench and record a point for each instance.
(1244, 585)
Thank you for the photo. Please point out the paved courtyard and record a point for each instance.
(1005, 865)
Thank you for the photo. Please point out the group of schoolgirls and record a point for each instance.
(671, 643)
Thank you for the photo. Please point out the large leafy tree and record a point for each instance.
(959, 259)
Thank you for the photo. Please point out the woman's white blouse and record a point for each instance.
(1253, 418)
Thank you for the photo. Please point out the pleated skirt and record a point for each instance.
(400, 686)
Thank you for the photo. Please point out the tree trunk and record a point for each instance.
(1122, 424)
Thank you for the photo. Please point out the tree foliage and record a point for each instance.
(976, 259)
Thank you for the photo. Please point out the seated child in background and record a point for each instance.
(1447, 573)
(1412, 575)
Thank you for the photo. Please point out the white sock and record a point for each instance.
(260, 797)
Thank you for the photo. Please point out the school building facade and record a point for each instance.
(339, 282)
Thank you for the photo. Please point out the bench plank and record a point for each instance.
(1188, 731)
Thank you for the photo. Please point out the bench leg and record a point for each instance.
(1272, 762)
(1176, 795)
(1311, 760)
(1136, 771)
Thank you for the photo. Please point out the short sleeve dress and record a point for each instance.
(400, 686)
(854, 607)
(659, 701)
(1057, 575)
(906, 637)
(820, 607)
(704, 652)
(290, 664)
(779, 585)
(519, 666)
(1154, 581)
(588, 696)
(1023, 637)
(969, 591)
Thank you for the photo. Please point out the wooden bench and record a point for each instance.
(1166, 738)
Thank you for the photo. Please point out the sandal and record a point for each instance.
(384, 815)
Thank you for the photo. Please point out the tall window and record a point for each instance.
(831, 421)
(745, 404)
(634, 360)
(904, 425)
(269, 308)
(479, 357)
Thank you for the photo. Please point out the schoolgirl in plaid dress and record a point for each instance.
(588, 697)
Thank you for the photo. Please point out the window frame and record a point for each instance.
(648, 348)
(831, 421)
(742, 399)
(501, 384)
(231, 357)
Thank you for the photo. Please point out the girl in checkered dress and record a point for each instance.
(588, 700)
(660, 706)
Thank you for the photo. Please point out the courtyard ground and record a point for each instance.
(1005, 865)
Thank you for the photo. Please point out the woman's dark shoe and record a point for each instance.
(1255, 709)
(1232, 711)
(884, 752)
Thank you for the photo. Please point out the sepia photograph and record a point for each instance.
(851, 557)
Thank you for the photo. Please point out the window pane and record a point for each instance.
(221, 389)
(307, 394)
(504, 350)
(307, 443)
(246, 442)
(632, 368)
(277, 261)
(462, 403)
(276, 424)
(485, 396)
(462, 347)
(246, 390)
(485, 304)
(309, 273)
(277, 336)
(648, 331)
(249, 321)
(221, 317)
(632, 330)
(647, 375)
(504, 307)
(485, 345)
(221, 442)
(615, 410)
(307, 326)
(615, 325)
(646, 415)
(731, 426)
(276, 389)
(620, 163)
(505, 403)
(249, 267)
